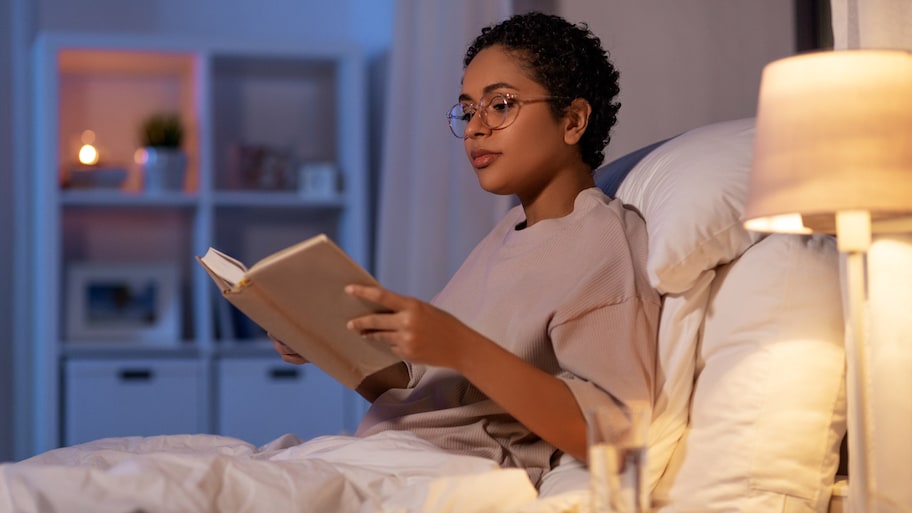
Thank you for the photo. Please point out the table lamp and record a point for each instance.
(833, 154)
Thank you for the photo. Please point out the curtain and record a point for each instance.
(871, 24)
(431, 209)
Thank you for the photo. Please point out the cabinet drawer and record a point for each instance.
(132, 397)
(260, 399)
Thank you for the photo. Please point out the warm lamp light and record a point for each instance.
(833, 154)
(88, 154)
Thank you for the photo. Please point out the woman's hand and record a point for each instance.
(415, 330)
(421, 333)
(288, 354)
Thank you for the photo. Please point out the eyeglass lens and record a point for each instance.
(493, 112)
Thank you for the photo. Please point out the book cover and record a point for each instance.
(297, 295)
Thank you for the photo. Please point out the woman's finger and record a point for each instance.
(378, 295)
(288, 354)
(373, 323)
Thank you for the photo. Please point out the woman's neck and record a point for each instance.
(556, 199)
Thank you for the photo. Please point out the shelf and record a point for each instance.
(116, 198)
(245, 348)
(112, 92)
(274, 199)
(277, 199)
(258, 120)
(116, 350)
(276, 112)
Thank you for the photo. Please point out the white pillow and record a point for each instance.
(691, 192)
(768, 411)
(679, 330)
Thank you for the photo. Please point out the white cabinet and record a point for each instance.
(134, 397)
(253, 117)
(260, 399)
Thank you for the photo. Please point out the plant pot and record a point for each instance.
(163, 169)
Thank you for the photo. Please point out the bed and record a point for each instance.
(749, 413)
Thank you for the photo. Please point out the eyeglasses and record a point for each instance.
(497, 111)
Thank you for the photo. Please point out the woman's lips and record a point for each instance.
(482, 159)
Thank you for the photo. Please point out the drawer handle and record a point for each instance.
(278, 373)
(136, 375)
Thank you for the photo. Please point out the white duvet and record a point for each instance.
(389, 472)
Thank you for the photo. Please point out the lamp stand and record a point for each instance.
(888, 452)
(857, 385)
(853, 237)
(878, 289)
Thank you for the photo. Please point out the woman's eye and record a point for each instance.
(500, 105)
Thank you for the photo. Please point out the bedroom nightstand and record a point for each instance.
(252, 115)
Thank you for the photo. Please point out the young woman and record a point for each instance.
(552, 313)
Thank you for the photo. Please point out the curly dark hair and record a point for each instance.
(569, 61)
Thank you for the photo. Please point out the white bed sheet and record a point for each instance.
(389, 472)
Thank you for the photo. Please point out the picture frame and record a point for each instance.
(123, 302)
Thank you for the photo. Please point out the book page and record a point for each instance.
(227, 268)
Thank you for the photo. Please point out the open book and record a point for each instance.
(297, 295)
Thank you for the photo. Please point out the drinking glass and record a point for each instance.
(617, 458)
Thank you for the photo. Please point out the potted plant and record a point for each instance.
(163, 162)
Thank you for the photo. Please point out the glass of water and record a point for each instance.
(617, 458)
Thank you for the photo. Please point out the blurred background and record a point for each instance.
(683, 65)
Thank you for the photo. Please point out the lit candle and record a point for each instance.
(88, 155)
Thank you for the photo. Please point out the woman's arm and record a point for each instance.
(541, 402)
(394, 376)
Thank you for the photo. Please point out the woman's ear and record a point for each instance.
(576, 120)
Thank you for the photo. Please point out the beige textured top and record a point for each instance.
(569, 295)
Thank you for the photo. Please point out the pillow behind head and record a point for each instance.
(691, 191)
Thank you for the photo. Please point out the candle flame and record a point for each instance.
(88, 155)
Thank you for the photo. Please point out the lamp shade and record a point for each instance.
(834, 133)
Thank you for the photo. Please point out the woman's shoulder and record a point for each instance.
(603, 211)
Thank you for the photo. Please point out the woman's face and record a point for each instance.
(523, 157)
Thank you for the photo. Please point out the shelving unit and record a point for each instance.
(216, 373)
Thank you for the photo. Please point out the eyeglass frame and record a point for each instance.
(518, 99)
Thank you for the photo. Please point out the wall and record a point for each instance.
(685, 64)
(6, 221)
